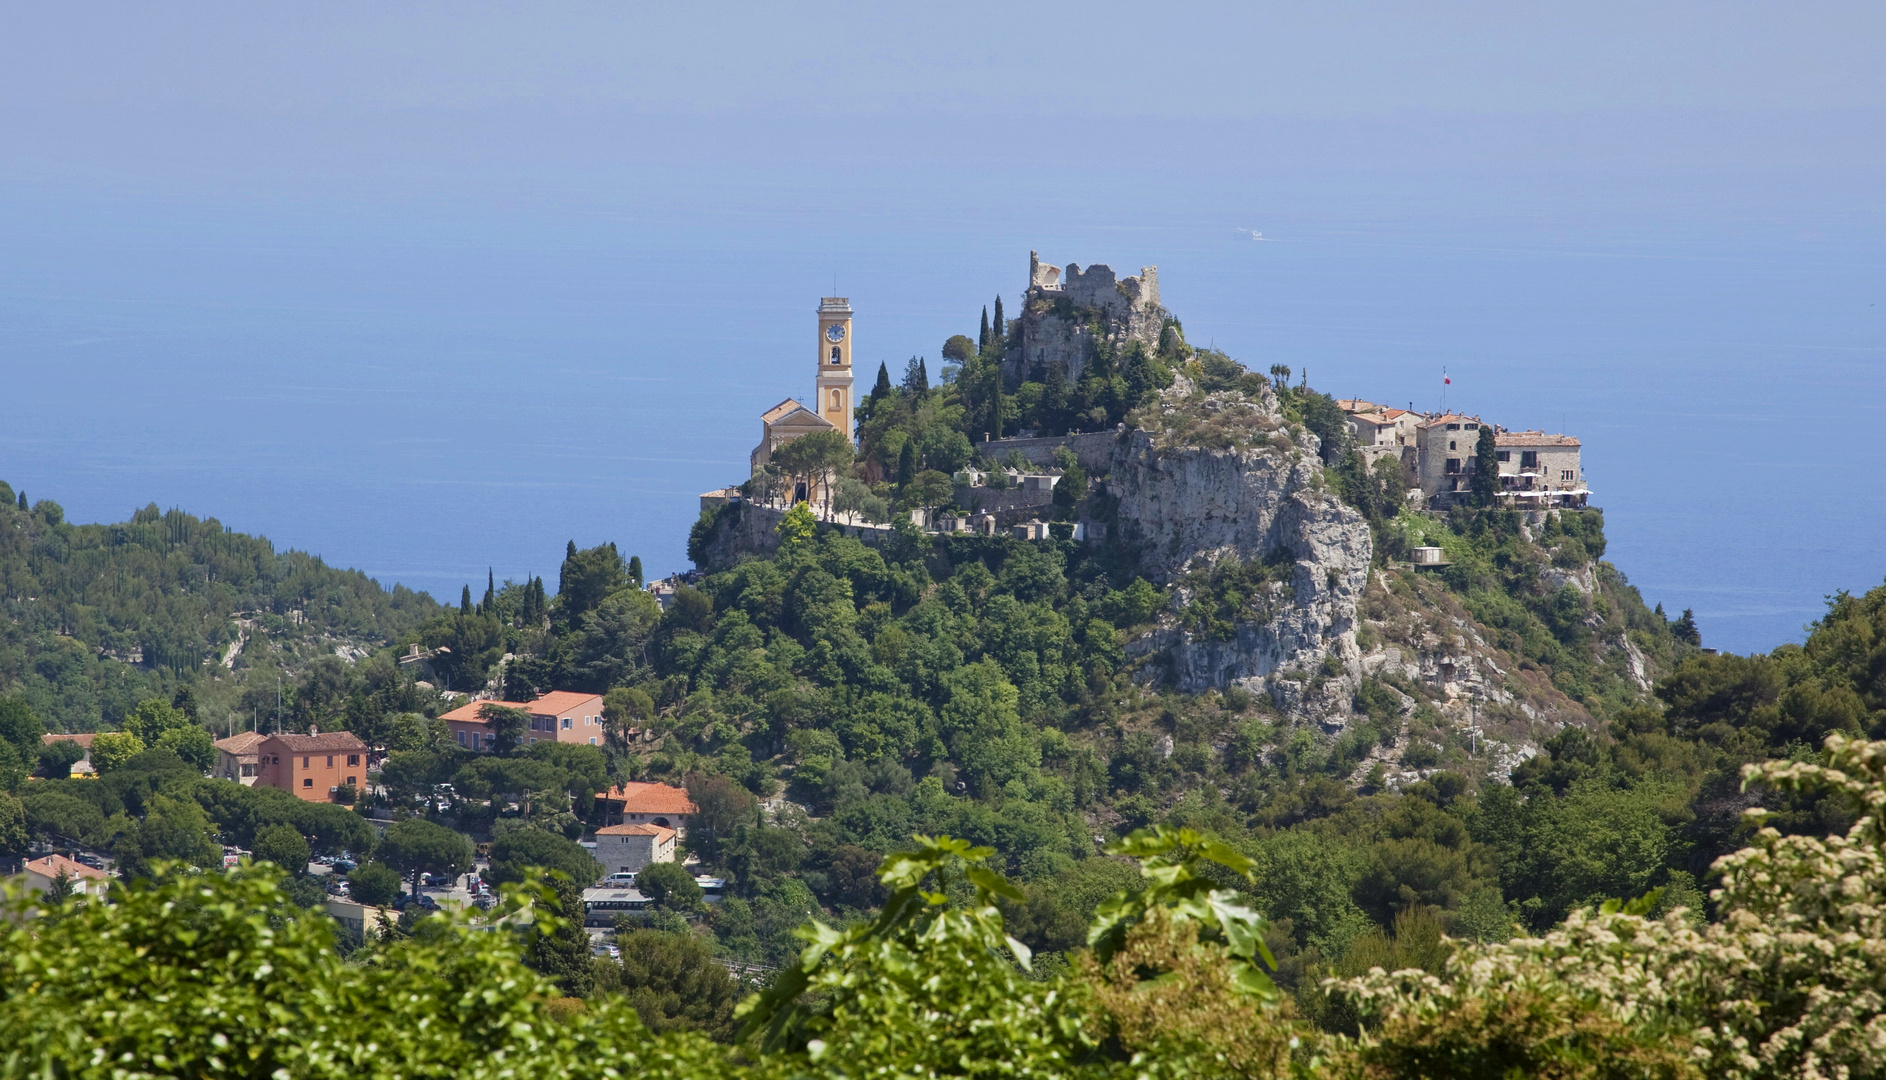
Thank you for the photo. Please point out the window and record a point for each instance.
(1453, 427)
(248, 770)
(592, 740)
(569, 722)
(461, 738)
(1568, 474)
(1529, 459)
(353, 759)
(353, 782)
(1503, 455)
(304, 763)
(838, 402)
(1451, 446)
(1473, 427)
(1453, 465)
(330, 761)
(307, 781)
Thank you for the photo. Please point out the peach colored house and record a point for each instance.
(312, 767)
(559, 716)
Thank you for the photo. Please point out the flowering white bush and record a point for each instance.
(1789, 982)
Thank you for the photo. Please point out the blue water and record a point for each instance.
(424, 388)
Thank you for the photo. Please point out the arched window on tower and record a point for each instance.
(838, 402)
(834, 354)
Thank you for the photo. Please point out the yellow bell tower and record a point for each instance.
(833, 402)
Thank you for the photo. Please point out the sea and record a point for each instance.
(436, 386)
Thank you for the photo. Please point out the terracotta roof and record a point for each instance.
(660, 832)
(1451, 418)
(468, 714)
(781, 410)
(326, 742)
(1532, 438)
(242, 742)
(52, 864)
(1355, 405)
(83, 740)
(558, 702)
(638, 797)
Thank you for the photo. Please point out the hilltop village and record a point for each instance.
(1008, 484)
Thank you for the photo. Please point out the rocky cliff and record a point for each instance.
(1211, 478)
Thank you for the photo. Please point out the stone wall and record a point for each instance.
(1094, 449)
(1060, 309)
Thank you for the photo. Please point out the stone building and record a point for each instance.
(1061, 309)
(628, 848)
(1540, 470)
(1380, 431)
(239, 757)
(1444, 460)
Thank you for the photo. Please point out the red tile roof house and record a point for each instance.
(559, 716)
(639, 803)
(85, 881)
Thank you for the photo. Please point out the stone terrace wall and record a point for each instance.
(1094, 449)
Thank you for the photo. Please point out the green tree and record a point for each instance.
(20, 726)
(283, 846)
(635, 571)
(373, 883)
(153, 717)
(12, 768)
(514, 853)
(672, 981)
(958, 349)
(507, 726)
(930, 489)
(1486, 468)
(559, 950)
(417, 846)
(669, 886)
(588, 577)
(111, 749)
(192, 744)
(174, 828)
(13, 833)
(796, 526)
(57, 758)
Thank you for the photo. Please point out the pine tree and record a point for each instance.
(982, 342)
(1000, 327)
(635, 570)
(881, 390)
(1684, 629)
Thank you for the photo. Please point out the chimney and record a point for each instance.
(314, 729)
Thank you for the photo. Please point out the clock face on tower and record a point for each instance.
(835, 333)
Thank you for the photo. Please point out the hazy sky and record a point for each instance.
(361, 276)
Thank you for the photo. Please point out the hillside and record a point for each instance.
(95, 618)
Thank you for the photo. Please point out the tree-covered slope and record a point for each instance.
(95, 618)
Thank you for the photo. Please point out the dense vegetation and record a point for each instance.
(95, 618)
(218, 975)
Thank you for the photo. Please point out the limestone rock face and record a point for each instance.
(1062, 310)
(1189, 507)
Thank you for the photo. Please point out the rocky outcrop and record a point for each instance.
(1262, 499)
(1066, 313)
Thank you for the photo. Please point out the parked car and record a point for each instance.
(344, 866)
(620, 879)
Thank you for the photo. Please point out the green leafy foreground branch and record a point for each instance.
(220, 975)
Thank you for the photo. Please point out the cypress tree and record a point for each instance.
(22, 498)
(881, 390)
(491, 590)
(464, 601)
(635, 570)
(1486, 469)
(907, 462)
(923, 380)
(1001, 327)
(982, 342)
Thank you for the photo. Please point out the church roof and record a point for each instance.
(787, 410)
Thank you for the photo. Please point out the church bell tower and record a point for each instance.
(833, 402)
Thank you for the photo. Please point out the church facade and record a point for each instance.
(832, 390)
